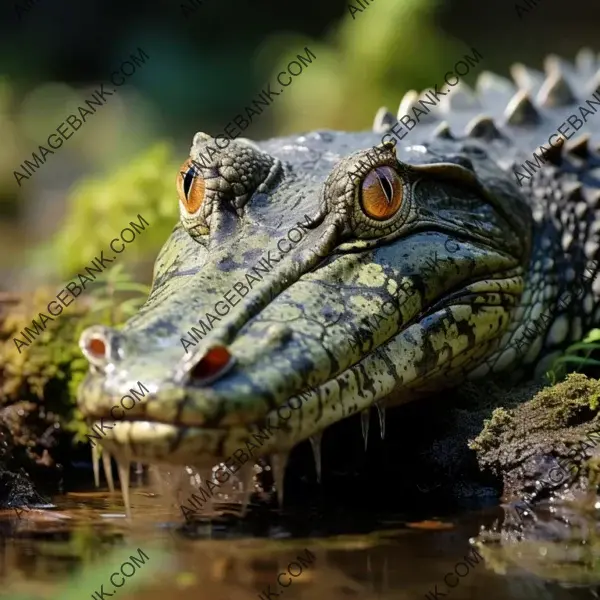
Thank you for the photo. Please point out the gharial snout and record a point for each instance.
(116, 379)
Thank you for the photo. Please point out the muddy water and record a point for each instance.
(74, 547)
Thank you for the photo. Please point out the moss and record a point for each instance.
(567, 404)
(571, 402)
(44, 373)
(38, 386)
(490, 434)
(558, 423)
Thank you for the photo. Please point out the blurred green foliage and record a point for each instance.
(98, 209)
(371, 59)
(576, 357)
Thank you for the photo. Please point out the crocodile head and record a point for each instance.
(310, 278)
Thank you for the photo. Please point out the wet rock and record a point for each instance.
(547, 447)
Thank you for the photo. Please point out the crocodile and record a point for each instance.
(414, 266)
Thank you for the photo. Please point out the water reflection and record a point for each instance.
(363, 556)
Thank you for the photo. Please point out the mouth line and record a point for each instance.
(448, 299)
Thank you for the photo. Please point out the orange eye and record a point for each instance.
(381, 193)
(190, 186)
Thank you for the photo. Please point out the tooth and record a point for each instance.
(315, 442)
(278, 464)
(124, 479)
(381, 413)
(365, 416)
(108, 470)
(96, 464)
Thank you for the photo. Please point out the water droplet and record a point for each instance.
(381, 413)
(247, 487)
(365, 417)
(108, 470)
(315, 442)
(96, 464)
(124, 479)
(278, 464)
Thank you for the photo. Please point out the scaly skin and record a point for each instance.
(468, 262)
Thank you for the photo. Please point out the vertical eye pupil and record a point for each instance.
(381, 193)
(187, 181)
(386, 186)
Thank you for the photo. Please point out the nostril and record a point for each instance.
(96, 347)
(97, 343)
(214, 363)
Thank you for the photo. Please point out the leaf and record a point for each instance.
(592, 336)
(589, 346)
(578, 360)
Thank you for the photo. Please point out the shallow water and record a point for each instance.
(349, 554)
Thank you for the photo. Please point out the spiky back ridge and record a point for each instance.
(515, 118)
(512, 120)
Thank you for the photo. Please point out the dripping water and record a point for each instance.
(381, 413)
(247, 487)
(108, 470)
(96, 464)
(139, 472)
(365, 417)
(278, 464)
(315, 442)
(385, 579)
(157, 482)
(124, 479)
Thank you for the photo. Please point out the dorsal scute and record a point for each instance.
(483, 127)
(443, 132)
(521, 110)
(384, 119)
(411, 101)
(580, 147)
(555, 91)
